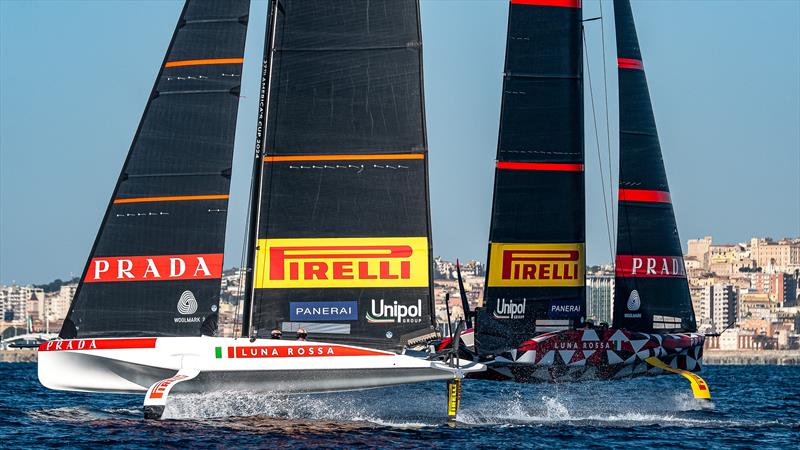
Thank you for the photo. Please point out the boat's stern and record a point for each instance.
(127, 365)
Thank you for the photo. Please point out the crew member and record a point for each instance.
(276, 334)
(301, 334)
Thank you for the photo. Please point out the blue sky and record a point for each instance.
(724, 77)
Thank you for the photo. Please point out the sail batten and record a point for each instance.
(535, 268)
(651, 278)
(156, 263)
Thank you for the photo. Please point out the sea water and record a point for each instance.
(752, 407)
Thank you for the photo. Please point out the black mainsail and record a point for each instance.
(341, 244)
(156, 264)
(535, 270)
(652, 292)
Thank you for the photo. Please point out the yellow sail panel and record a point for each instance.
(536, 265)
(342, 263)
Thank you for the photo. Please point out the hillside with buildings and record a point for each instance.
(747, 292)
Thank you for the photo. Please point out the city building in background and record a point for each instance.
(600, 297)
(747, 292)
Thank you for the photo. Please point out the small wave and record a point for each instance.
(82, 414)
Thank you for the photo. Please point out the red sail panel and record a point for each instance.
(650, 276)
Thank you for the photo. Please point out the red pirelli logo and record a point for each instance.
(154, 268)
(639, 266)
(519, 265)
(348, 262)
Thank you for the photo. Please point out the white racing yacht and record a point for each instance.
(339, 240)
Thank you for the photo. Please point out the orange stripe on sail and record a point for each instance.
(204, 62)
(175, 198)
(344, 157)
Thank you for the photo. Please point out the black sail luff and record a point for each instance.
(652, 292)
(535, 268)
(156, 263)
(344, 246)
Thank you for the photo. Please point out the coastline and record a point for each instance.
(18, 356)
(751, 357)
(710, 357)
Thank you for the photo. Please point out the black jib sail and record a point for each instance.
(343, 222)
(156, 264)
(535, 274)
(652, 293)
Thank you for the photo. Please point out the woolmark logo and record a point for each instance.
(634, 302)
(382, 312)
(154, 268)
(517, 265)
(187, 304)
(347, 262)
(509, 309)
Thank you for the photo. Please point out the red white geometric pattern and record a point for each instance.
(574, 355)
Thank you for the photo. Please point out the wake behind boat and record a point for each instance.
(339, 233)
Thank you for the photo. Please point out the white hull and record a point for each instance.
(135, 365)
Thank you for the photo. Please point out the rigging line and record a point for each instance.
(270, 44)
(608, 127)
(247, 242)
(597, 142)
(240, 298)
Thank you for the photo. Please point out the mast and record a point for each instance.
(535, 268)
(258, 166)
(343, 233)
(652, 292)
(156, 263)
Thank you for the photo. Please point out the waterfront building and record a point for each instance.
(781, 256)
(15, 301)
(699, 249)
(733, 339)
(755, 305)
(723, 310)
(60, 301)
(780, 287)
(599, 297)
(715, 306)
(729, 259)
(701, 302)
